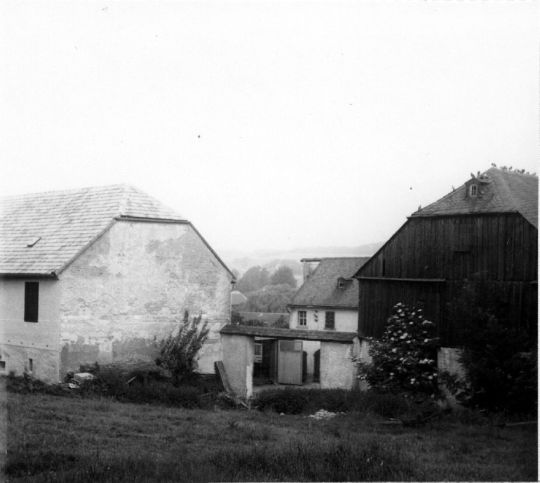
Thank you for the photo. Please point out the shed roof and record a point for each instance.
(320, 335)
(321, 288)
(41, 233)
(505, 192)
(268, 318)
(238, 298)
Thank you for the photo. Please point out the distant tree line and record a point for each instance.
(267, 292)
(258, 277)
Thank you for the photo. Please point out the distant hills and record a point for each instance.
(271, 259)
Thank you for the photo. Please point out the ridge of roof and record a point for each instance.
(505, 192)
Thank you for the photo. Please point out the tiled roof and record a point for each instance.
(505, 192)
(321, 288)
(322, 335)
(65, 222)
(268, 318)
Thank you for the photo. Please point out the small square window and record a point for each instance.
(302, 318)
(31, 301)
(330, 320)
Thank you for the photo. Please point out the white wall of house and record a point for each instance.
(31, 347)
(130, 289)
(310, 347)
(338, 366)
(345, 320)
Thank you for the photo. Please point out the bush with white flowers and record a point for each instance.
(404, 359)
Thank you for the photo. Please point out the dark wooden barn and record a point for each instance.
(479, 239)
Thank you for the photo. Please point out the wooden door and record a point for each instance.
(290, 362)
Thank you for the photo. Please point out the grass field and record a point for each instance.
(67, 439)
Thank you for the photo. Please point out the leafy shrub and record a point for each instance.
(499, 356)
(112, 381)
(404, 359)
(27, 385)
(288, 401)
(499, 376)
(386, 405)
(178, 351)
(271, 298)
(295, 401)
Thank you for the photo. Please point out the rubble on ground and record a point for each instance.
(323, 414)
(81, 377)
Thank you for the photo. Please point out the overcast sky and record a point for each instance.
(269, 124)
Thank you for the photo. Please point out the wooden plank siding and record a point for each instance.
(496, 251)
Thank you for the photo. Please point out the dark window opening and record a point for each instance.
(302, 318)
(31, 365)
(31, 301)
(343, 282)
(330, 320)
(2, 365)
(473, 190)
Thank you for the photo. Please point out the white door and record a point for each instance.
(290, 362)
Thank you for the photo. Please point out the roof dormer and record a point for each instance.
(343, 282)
(477, 185)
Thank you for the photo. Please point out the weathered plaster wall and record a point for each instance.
(345, 320)
(337, 367)
(131, 288)
(448, 360)
(238, 355)
(20, 340)
(310, 347)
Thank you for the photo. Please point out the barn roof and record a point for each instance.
(321, 288)
(41, 233)
(505, 191)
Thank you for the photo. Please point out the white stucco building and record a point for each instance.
(327, 300)
(101, 275)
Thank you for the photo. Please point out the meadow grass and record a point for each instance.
(68, 439)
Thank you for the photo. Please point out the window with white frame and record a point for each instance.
(302, 318)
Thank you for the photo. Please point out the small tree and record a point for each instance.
(273, 298)
(254, 279)
(499, 352)
(178, 351)
(283, 275)
(404, 359)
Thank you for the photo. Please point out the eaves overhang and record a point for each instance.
(296, 334)
(322, 306)
(48, 275)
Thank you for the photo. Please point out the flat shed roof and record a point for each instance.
(279, 333)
